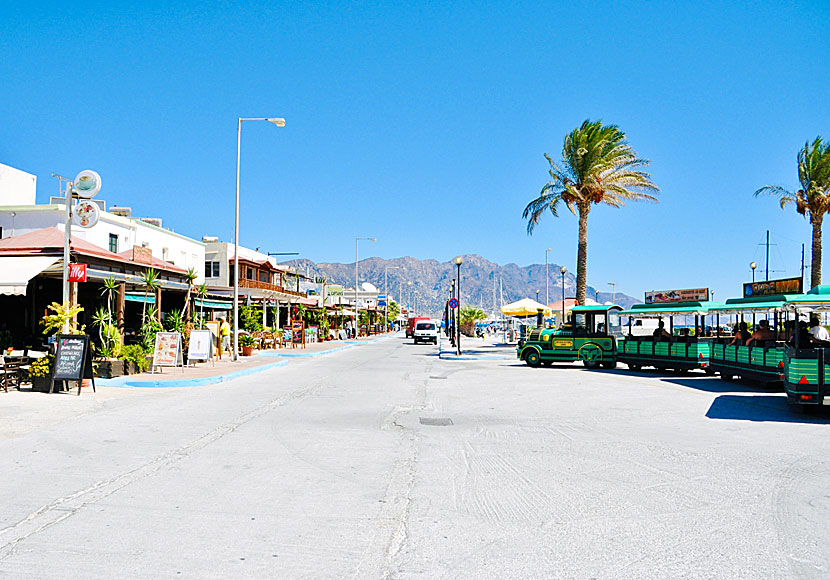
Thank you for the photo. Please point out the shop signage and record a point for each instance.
(142, 255)
(77, 272)
(334, 290)
(85, 214)
(73, 360)
(563, 343)
(167, 352)
(298, 332)
(666, 296)
(201, 345)
(772, 287)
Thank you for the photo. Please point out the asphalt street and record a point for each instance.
(384, 461)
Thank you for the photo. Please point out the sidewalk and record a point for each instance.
(477, 349)
(227, 370)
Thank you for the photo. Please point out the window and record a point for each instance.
(231, 273)
(263, 276)
(250, 274)
(212, 269)
(114, 243)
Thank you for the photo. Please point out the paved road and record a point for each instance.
(325, 469)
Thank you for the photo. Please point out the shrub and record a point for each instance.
(135, 353)
(42, 367)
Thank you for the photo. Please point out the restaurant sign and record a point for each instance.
(668, 296)
(773, 287)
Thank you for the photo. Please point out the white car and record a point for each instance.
(425, 331)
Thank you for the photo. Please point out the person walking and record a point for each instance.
(225, 333)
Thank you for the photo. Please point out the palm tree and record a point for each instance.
(201, 292)
(109, 290)
(151, 281)
(813, 199)
(598, 166)
(189, 277)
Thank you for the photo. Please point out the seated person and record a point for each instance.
(660, 331)
(817, 331)
(741, 334)
(684, 332)
(762, 332)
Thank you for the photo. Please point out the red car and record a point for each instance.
(410, 327)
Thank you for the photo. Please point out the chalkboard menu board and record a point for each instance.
(73, 360)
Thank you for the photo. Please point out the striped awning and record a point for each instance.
(213, 304)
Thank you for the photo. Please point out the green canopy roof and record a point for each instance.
(594, 308)
(691, 308)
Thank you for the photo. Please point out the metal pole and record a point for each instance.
(458, 320)
(356, 330)
(67, 236)
(236, 247)
(563, 296)
(386, 305)
(767, 262)
(547, 279)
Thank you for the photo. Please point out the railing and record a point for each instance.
(244, 283)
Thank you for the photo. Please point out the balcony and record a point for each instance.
(256, 284)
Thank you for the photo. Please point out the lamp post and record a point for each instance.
(753, 265)
(451, 318)
(279, 122)
(563, 269)
(356, 318)
(547, 279)
(613, 291)
(386, 287)
(458, 261)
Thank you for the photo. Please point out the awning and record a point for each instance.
(213, 304)
(525, 307)
(344, 312)
(149, 299)
(16, 271)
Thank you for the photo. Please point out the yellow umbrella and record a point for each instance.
(525, 307)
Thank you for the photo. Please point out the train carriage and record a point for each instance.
(680, 352)
(807, 366)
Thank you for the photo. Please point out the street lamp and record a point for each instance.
(753, 265)
(386, 287)
(356, 319)
(547, 279)
(563, 269)
(279, 122)
(458, 261)
(613, 292)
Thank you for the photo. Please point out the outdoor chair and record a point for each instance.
(267, 340)
(10, 374)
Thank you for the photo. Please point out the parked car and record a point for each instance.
(426, 332)
(410, 327)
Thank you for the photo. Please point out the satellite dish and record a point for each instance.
(367, 287)
(85, 214)
(87, 184)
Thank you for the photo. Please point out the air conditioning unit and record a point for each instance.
(123, 211)
(209, 239)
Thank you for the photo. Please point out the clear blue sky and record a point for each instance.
(425, 124)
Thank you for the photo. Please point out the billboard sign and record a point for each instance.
(773, 287)
(669, 296)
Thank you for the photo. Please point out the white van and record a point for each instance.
(425, 331)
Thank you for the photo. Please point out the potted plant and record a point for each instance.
(40, 372)
(247, 342)
(108, 365)
(135, 360)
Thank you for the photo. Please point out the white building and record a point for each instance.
(116, 231)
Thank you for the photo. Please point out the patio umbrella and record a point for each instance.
(525, 307)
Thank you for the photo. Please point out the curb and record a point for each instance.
(448, 356)
(303, 354)
(125, 382)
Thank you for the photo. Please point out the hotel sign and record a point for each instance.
(773, 287)
(669, 296)
(143, 255)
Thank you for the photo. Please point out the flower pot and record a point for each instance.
(247, 350)
(111, 368)
(41, 384)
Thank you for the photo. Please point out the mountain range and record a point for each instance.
(425, 284)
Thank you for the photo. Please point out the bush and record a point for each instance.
(134, 353)
(42, 367)
(246, 340)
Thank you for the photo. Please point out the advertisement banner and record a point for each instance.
(77, 272)
(668, 296)
(334, 290)
(773, 287)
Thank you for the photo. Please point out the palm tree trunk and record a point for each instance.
(582, 253)
(815, 268)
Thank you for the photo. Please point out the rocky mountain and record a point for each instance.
(426, 283)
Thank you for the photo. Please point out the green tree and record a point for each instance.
(151, 281)
(202, 292)
(813, 199)
(189, 277)
(468, 317)
(598, 166)
(109, 290)
(394, 311)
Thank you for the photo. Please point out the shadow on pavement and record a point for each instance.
(717, 385)
(762, 408)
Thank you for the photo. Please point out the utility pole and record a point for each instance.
(767, 261)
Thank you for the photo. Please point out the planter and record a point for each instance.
(41, 384)
(111, 368)
(247, 350)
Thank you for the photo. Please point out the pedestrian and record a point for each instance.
(817, 331)
(225, 333)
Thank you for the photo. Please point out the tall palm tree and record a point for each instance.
(202, 292)
(109, 290)
(151, 281)
(189, 277)
(598, 166)
(813, 199)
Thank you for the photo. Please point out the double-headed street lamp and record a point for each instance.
(458, 261)
(753, 265)
(613, 291)
(279, 122)
(356, 318)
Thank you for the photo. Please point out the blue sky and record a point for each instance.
(425, 124)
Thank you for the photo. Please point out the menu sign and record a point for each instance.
(773, 287)
(298, 332)
(201, 345)
(167, 352)
(73, 360)
(668, 296)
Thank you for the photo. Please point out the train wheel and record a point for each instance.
(633, 367)
(590, 355)
(532, 359)
(726, 377)
(609, 364)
